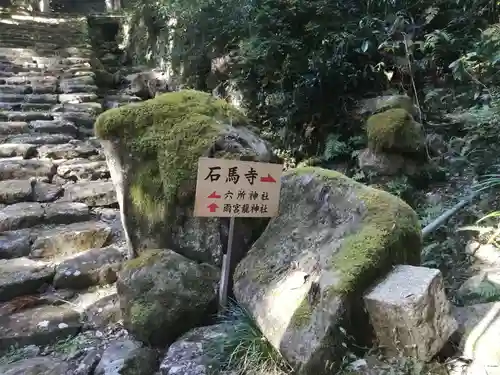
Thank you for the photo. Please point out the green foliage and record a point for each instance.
(245, 351)
(302, 67)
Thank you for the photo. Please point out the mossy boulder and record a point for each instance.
(163, 295)
(305, 275)
(152, 149)
(394, 130)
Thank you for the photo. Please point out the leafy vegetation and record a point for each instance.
(302, 67)
(245, 351)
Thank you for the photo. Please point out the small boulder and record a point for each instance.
(163, 295)
(124, 357)
(36, 366)
(384, 164)
(332, 239)
(152, 149)
(192, 354)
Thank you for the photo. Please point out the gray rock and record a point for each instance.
(29, 214)
(40, 98)
(22, 276)
(127, 357)
(11, 98)
(88, 363)
(16, 89)
(79, 118)
(163, 294)
(78, 98)
(73, 150)
(54, 126)
(82, 80)
(10, 150)
(65, 212)
(92, 267)
(21, 215)
(480, 329)
(91, 108)
(26, 116)
(15, 191)
(15, 244)
(103, 312)
(92, 193)
(324, 225)
(83, 169)
(36, 366)
(43, 192)
(41, 139)
(188, 355)
(11, 169)
(70, 239)
(13, 127)
(42, 325)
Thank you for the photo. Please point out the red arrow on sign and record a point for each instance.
(268, 178)
(214, 195)
(212, 207)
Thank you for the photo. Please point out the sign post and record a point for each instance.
(235, 188)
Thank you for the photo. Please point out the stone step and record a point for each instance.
(26, 116)
(17, 191)
(83, 169)
(31, 98)
(13, 127)
(89, 268)
(66, 240)
(92, 193)
(55, 243)
(40, 139)
(29, 89)
(72, 150)
(43, 325)
(13, 151)
(26, 107)
(23, 276)
(78, 98)
(30, 214)
(18, 168)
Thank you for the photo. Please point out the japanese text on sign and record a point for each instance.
(237, 188)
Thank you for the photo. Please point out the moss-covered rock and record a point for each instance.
(394, 130)
(152, 149)
(344, 235)
(163, 295)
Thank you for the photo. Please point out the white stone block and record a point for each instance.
(410, 313)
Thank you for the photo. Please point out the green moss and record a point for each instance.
(302, 315)
(166, 135)
(140, 314)
(388, 222)
(393, 129)
(146, 258)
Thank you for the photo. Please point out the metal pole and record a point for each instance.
(226, 268)
(436, 223)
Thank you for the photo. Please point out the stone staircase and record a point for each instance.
(60, 235)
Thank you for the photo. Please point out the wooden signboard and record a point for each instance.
(235, 188)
